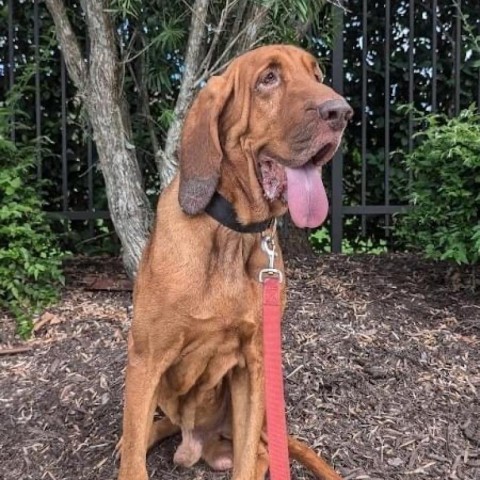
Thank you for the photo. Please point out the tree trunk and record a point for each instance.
(99, 85)
(108, 112)
(166, 159)
(128, 205)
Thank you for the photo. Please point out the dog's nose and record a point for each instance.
(336, 113)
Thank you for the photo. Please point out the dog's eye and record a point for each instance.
(269, 79)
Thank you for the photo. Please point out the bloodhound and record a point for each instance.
(252, 147)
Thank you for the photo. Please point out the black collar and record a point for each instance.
(222, 211)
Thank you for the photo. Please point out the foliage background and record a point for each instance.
(30, 258)
(444, 221)
(153, 36)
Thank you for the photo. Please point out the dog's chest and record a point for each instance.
(196, 378)
(217, 328)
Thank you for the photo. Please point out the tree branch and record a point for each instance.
(139, 77)
(15, 350)
(102, 41)
(238, 18)
(166, 161)
(218, 32)
(253, 24)
(67, 39)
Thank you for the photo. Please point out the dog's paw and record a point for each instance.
(222, 463)
(188, 453)
(219, 455)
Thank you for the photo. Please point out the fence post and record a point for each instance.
(11, 62)
(337, 162)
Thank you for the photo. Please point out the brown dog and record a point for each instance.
(257, 135)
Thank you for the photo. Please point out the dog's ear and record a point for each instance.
(200, 151)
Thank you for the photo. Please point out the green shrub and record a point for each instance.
(30, 262)
(444, 219)
(321, 241)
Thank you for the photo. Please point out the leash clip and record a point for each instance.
(268, 246)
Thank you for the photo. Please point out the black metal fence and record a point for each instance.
(384, 54)
(420, 53)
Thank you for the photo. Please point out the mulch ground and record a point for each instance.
(382, 366)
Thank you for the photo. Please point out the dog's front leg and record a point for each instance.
(248, 411)
(144, 370)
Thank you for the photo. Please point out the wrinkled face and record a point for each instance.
(271, 109)
(295, 126)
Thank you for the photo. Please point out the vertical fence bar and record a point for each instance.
(91, 230)
(434, 55)
(11, 61)
(458, 52)
(337, 164)
(91, 222)
(387, 113)
(63, 81)
(411, 45)
(364, 112)
(38, 111)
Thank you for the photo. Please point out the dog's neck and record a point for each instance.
(224, 213)
(202, 243)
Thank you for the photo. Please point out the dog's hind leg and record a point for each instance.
(218, 453)
(161, 429)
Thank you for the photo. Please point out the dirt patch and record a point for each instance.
(382, 366)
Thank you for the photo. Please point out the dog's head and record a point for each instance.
(271, 120)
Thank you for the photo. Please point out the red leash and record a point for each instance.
(272, 354)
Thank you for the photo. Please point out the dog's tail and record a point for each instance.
(300, 452)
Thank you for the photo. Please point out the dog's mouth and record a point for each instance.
(300, 186)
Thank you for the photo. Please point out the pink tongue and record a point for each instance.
(307, 200)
